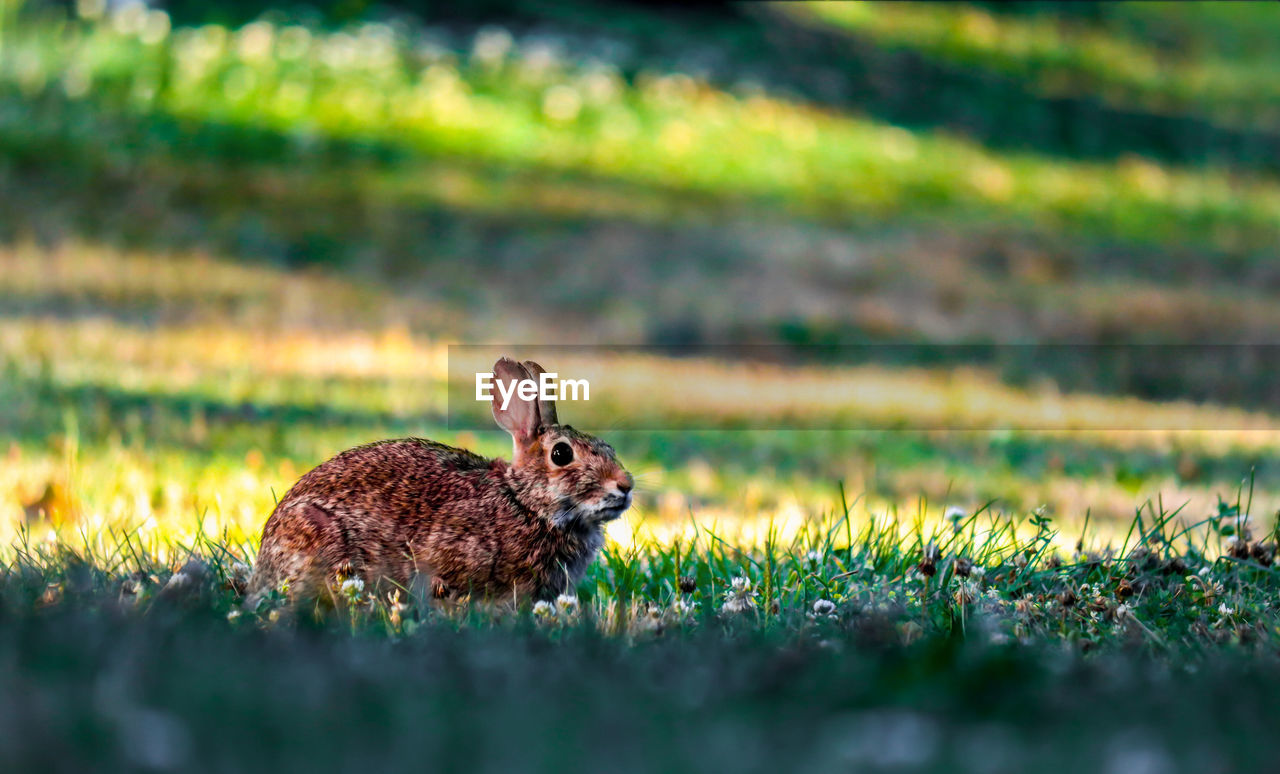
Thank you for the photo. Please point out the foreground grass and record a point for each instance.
(967, 645)
(185, 692)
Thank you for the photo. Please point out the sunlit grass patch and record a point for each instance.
(114, 422)
(132, 395)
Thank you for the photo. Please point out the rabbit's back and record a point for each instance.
(362, 513)
(398, 479)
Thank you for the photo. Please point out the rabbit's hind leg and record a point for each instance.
(301, 546)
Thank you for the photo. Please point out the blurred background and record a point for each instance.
(238, 237)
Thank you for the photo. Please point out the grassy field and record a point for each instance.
(227, 253)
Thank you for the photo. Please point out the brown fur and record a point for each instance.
(408, 512)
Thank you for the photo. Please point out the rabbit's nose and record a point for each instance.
(624, 486)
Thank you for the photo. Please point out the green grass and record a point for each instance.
(846, 645)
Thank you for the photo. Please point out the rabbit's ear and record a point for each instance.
(520, 417)
(546, 408)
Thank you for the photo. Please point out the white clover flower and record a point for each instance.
(567, 604)
(491, 45)
(561, 103)
(966, 593)
(652, 620)
(1204, 572)
(544, 610)
(824, 607)
(352, 587)
(977, 572)
(538, 58)
(601, 83)
(813, 557)
(130, 17)
(1123, 612)
(131, 587)
(293, 42)
(239, 573)
(155, 27)
(338, 51)
(91, 9)
(740, 597)
(1224, 610)
(684, 608)
(254, 41)
(735, 605)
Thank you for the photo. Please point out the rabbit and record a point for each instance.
(447, 523)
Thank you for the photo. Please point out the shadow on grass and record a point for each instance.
(909, 88)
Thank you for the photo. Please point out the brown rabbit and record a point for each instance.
(411, 512)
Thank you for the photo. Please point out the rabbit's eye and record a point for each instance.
(562, 454)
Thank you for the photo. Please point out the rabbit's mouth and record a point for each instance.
(607, 509)
(611, 512)
(613, 506)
